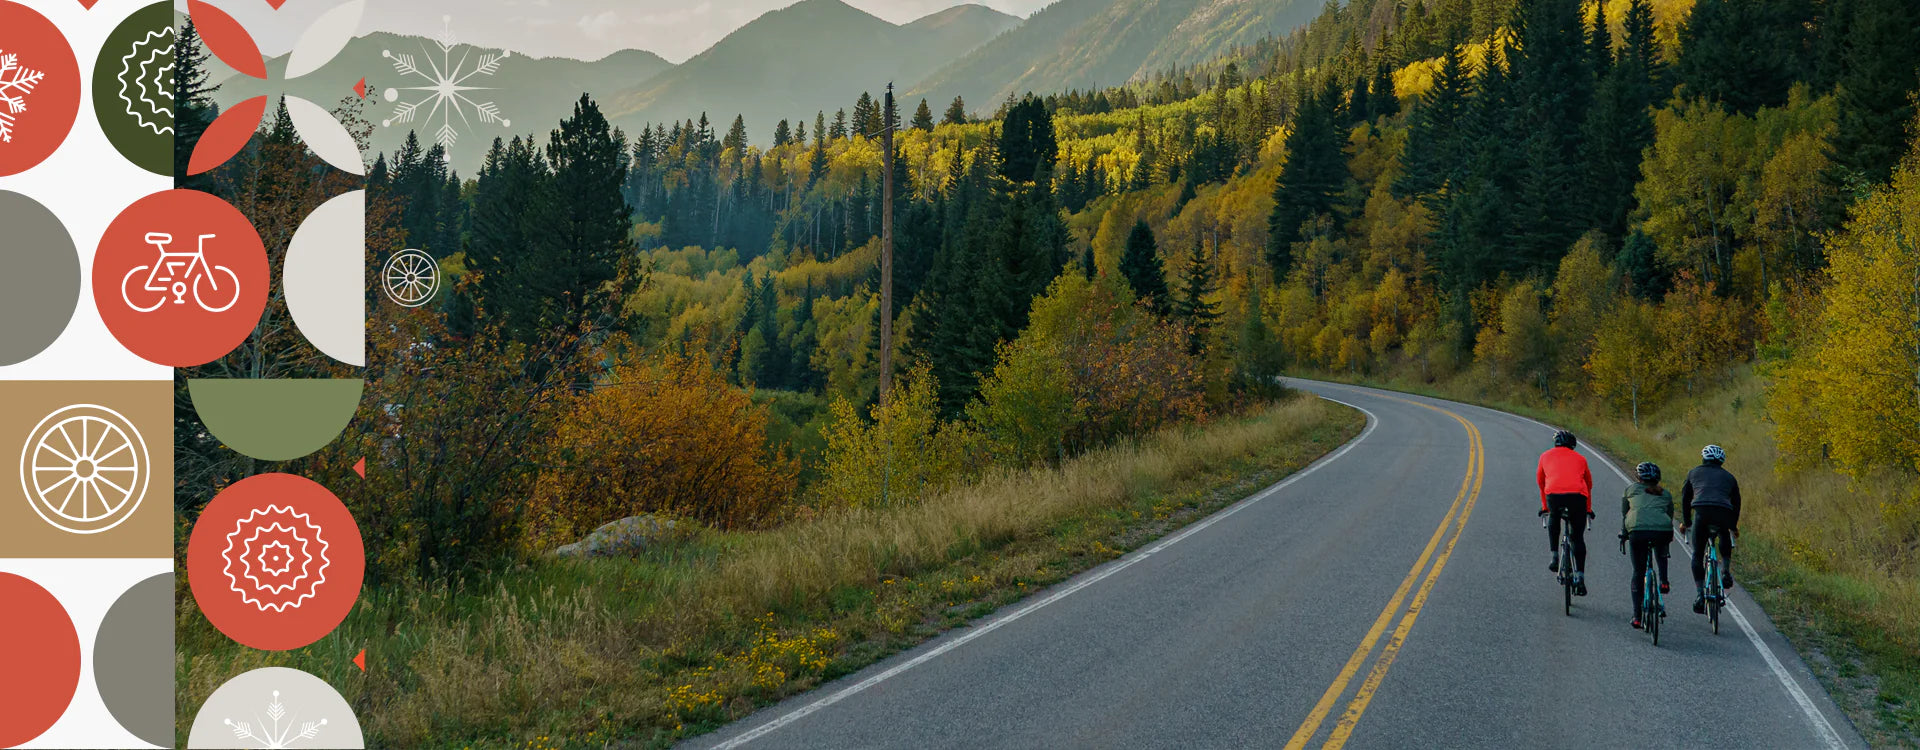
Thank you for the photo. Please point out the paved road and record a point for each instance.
(1392, 595)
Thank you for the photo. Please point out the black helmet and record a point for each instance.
(1564, 439)
(1648, 471)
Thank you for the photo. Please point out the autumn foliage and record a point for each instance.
(663, 434)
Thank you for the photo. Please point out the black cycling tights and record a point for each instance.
(1576, 509)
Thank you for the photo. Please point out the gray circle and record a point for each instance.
(40, 285)
(133, 660)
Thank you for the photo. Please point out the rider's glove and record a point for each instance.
(1543, 513)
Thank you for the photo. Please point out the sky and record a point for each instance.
(585, 29)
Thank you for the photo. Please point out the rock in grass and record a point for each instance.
(627, 537)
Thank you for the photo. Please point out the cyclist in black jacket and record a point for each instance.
(1714, 492)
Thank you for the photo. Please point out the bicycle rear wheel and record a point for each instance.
(1713, 595)
(1566, 575)
(1650, 617)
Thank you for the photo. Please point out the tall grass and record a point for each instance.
(644, 651)
(1835, 562)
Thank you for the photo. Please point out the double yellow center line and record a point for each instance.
(1457, 518)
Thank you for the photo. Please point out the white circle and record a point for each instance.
(390, 94)
(42, 456)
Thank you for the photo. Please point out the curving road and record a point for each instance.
(1392, 595)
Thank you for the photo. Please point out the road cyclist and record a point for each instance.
(1566, 486)
(1710, 510)
(1646, 530)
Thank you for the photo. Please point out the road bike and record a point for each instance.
(1716, 595)
(177, 273)
(1564, 560)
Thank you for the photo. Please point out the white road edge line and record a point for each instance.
(1086, 579)
(1815, 716)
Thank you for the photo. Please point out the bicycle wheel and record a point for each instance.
(1650, 619)
(232, 284)
(84, 469)
(1566, 575)
(1713, 593)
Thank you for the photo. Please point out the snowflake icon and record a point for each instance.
(446, 90)
(16, 82)
(272, 734)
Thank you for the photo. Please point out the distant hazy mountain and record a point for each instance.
(1083, 43)
(812, 56)
(532, 93)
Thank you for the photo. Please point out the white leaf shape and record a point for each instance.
(325, 38)
(325, 135)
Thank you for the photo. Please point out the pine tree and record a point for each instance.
(923, 117)
(1358, 110)
(1027, 143)
(1140, 266)
(1880, 70)
(1620, 126)
(866, 117)
(196, 109)
(839, 126)
(737, 137)
(1191, 305)
(1747, 54)
(956, 113)
(782, 134)
(818, 167)
(1553, 89)
(1385, 102)
(1313, 178)
(1433, 154)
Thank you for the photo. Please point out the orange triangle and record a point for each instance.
(361, 88)
(276, 3)
(88, 4)
(360, 660)
(360, 467)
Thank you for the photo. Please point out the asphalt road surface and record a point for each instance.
(1392, 595)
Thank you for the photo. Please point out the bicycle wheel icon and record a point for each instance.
(84, 468)
(411, 278)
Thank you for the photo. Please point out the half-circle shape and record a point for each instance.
(227, 39)
(275, 420)
(227, 135)
(324, 135)
(325, 38)
(325, 277)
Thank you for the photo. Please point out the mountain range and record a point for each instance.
(1087, 43)
(815, 55)
(812, 56)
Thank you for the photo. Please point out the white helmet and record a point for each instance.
(1713, 454)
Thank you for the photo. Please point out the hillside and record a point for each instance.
(793, 62)
(532, 93)
(1086, 43)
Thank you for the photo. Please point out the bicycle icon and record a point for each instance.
(178, 272)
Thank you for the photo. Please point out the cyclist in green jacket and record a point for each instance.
(1646, 522)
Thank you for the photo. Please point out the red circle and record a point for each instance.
(275, 562)
(176, 309)
(42, 62)
(41, 652)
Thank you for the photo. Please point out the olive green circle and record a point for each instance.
(133, 88)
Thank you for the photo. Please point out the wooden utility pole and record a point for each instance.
(886, 248)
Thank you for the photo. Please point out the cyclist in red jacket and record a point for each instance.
(1566, 486)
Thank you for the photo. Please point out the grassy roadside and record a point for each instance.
(642, 652)
(1827, 557)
